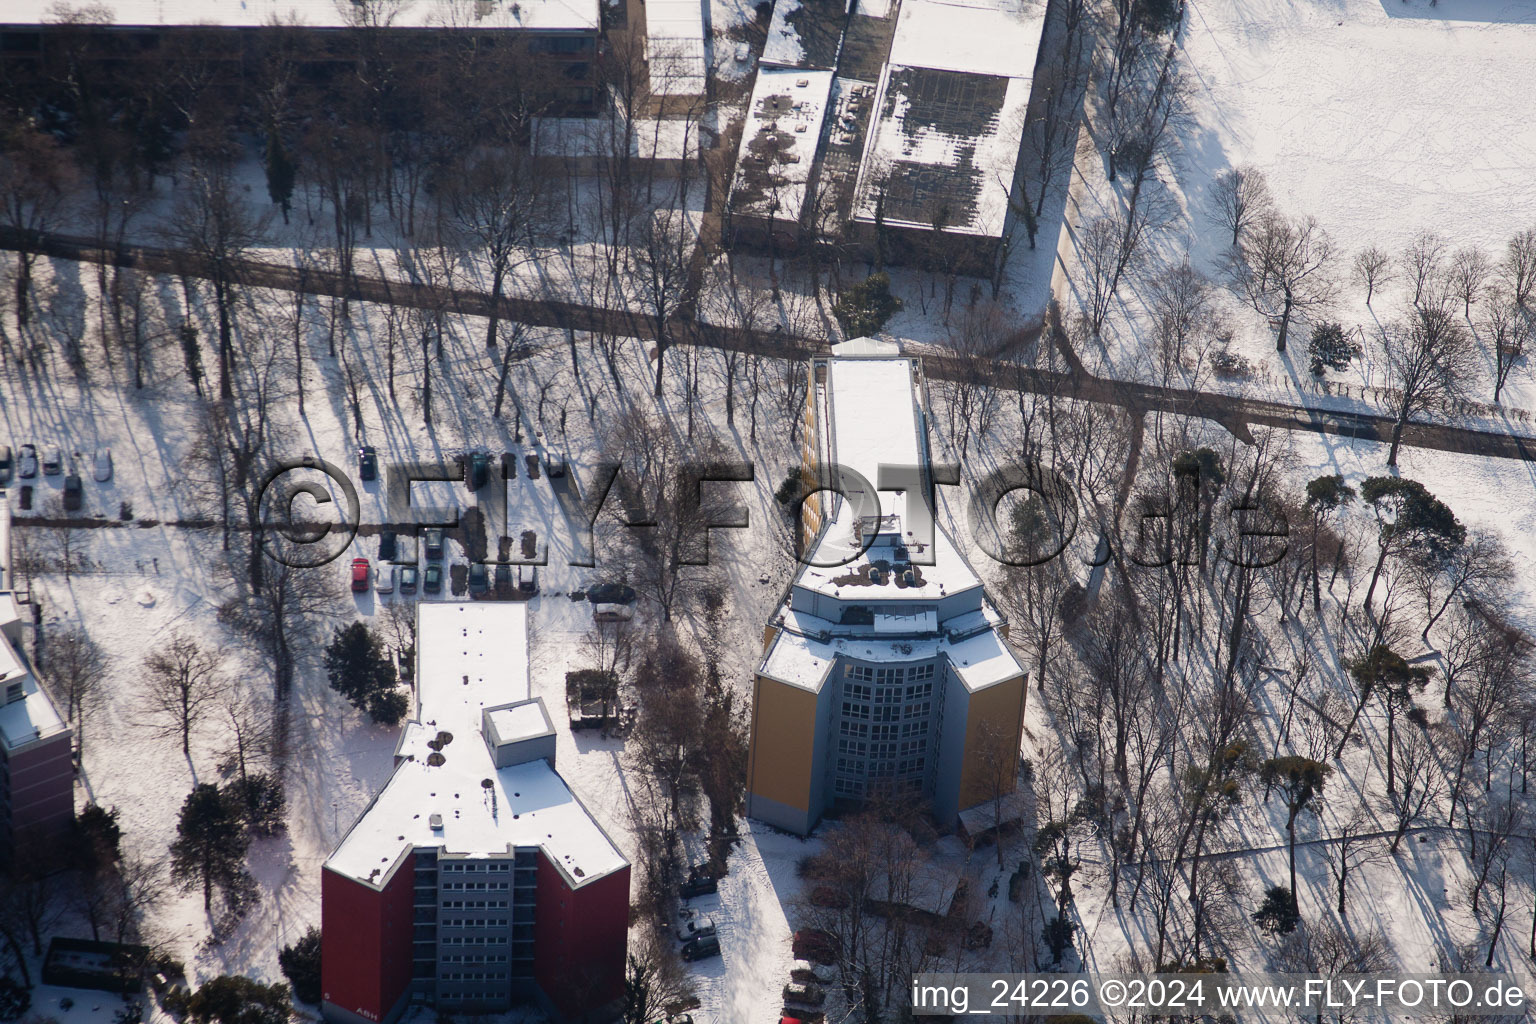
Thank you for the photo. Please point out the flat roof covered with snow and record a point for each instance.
(674, 47)
(870, 414)
(778, 142)
(471, 657)
(805, 33)
(949, 115)
(980, 37)
(522, 722)
(534, 15)
(943, 150)
(806, 648)
(32, 717)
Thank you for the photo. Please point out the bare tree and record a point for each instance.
(1509, 328)
(1470, 270)
(1182, 316)
(499, 202)
(1420, 783)
(185, 682)
(1421, 264)
(1373, 268)
(1478, 568)
(1283, 267)
(76, 666)
(212, 226)
(1518, 268)
(660, 276)
(1240, 197)
(1353, 846)
(1106, 247)
(249, 717)
(36, 177)
(1428, 361)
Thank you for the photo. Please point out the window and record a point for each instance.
(855, 710)
(848, 728)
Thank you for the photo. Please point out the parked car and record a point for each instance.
(103, 465)
(26, 462)
(477, 470)
(612, 612)
(74, 493)
(528, 579)
(384, 578)
(360, 575)
(804, 994)
(432, 540)
(817, 946)
(6, 465)
(697, 887)
(611, 593)
(695, 927)
(503, 577)
(804, 970)
(554, 464)
(388, 546)
(53, 461)
(701, 948)
(432, 580)
(367, 462)
(408, 576)
(479, 579)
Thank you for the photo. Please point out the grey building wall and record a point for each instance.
(951, 747)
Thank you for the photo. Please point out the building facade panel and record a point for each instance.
(781, 759)
(580, 940)
(41, 787)
(366, 975)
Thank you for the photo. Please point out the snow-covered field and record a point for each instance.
(1379, 118)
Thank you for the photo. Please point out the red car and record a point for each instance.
(360, 575)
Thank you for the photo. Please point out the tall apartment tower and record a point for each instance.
(886, 668)
(37, 769)
(476, 880)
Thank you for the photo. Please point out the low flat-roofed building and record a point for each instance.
(674, 54)
(940, 161)
(476, 879)
(886, 669)
(38, 37)
(776, 162)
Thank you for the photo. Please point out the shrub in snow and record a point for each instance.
(14, 1000)
(1330, 348)
(301, 966)
(234, 999)
(864, 308)
(1277, 914)
(260, 801)
(360, 670)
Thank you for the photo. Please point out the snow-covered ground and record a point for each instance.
(139, 583)
(1379, 118)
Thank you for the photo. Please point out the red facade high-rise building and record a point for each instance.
(476, 880)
